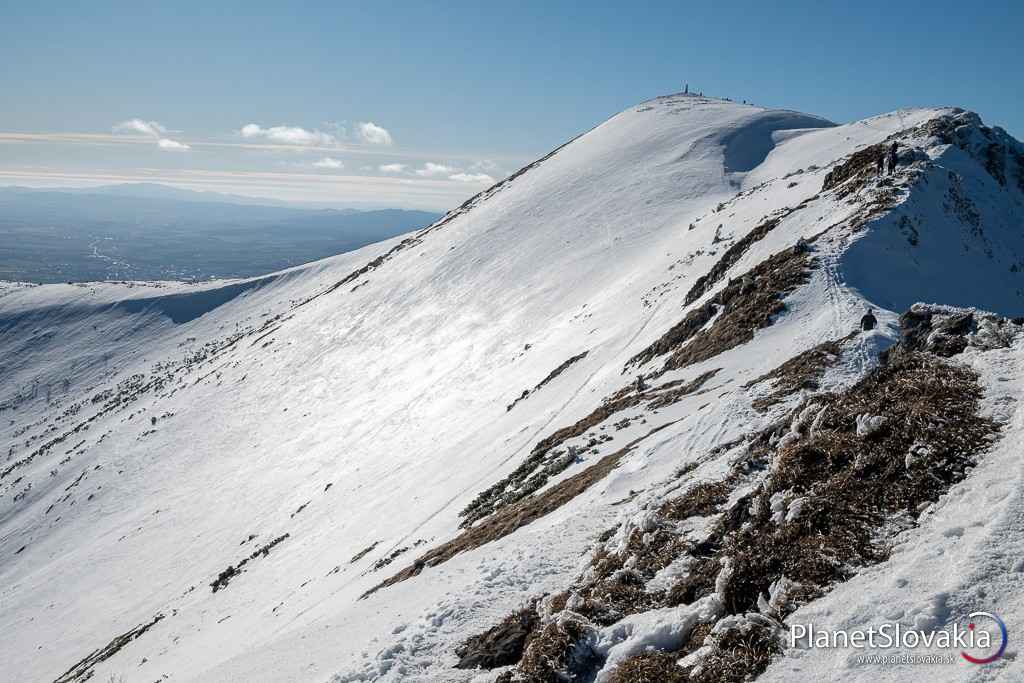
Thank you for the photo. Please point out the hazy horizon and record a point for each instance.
(366, 106)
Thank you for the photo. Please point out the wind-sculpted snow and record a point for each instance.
(247, 459)
(748, 145)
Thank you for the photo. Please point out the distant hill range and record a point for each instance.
(160, 191)
(147, 231)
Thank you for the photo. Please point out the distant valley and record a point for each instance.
(152, 232)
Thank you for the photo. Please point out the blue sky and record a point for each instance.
(457, 93)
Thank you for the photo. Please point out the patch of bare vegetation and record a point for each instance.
(854, 174)
(801, 372)
(676, 390)
(364, 552)
(556, 653)
(744, 306)
(734, 253)
(700, 501)
(650, 667)
(500, 645)
(552, 375)
(232, 571)
(832, 482)
(678, 334)
(83, 670)
(882, 450)
(547, 459)
(737, 654)
(748, 305)
(515, 516)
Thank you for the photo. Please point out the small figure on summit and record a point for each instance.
(868, 321)
(880, 163)
(893, 158)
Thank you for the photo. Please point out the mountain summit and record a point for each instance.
(615, 418)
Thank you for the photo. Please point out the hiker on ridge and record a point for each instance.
(868, 321)
(893, 158)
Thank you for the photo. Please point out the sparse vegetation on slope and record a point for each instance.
(735, 252)
(501, 645)
(742, 307)
(83, 670)
(517, 515)
(827, 489)
(801, 372)
(547, 459)
(232, 571)
(854, 173)
(551, 375)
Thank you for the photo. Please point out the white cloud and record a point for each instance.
(289, 135)
(329, 162)
(153, 129)
(150, 128)
(172, 145)
(431, 169)
(374, 134)
(472, 178)
(392, 168)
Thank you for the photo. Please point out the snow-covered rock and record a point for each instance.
(869, 424)
(662, 629)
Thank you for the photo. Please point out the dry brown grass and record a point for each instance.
(742, 312)
(83, 669)
(614, 597)
(739, 656)
(677, 335)
(850, 484)
(551, 375)
(542, 463)
(855, 172)
(701, 500)
(733, 254)
(500, 645)
(673, 392)
(545, 460)
(616, 592)
(515, 516)
(650, 667)
(554, 655)
(746, 312)
(851, 488)
(696, 639)
(698, 582)
(800, 372)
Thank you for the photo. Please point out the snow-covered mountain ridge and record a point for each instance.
(590, 382)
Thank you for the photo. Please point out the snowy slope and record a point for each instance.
(323, 427)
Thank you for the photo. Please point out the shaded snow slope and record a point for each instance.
(230, 467)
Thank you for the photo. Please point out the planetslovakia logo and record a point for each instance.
(1002, 630)
(979, 637)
